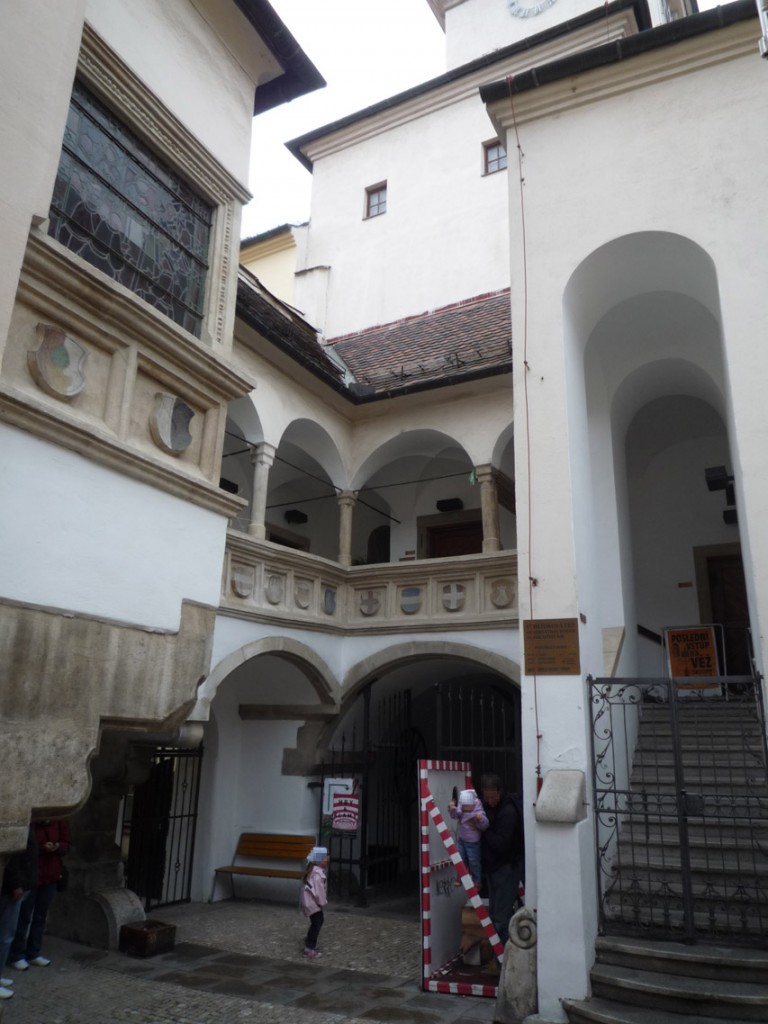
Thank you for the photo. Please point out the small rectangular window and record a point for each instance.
(123, 210)
(494, 157)
(376, 200)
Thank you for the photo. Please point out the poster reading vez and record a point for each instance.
(551, 647)
(691, 651)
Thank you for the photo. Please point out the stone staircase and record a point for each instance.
(724, 777)
(643, 981)
(640, 976)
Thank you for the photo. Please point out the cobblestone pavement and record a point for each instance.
(242, 961)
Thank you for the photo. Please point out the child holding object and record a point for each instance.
(472, 821)
(314, 896)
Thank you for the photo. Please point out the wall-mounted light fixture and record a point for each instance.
(450, 505)
(295, 516)
(719, 479)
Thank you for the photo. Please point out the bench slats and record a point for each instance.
(265, 846)
(286, 847)
(244, 869)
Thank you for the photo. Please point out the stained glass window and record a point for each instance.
(125, 212)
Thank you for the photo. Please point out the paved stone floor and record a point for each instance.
(242, 961)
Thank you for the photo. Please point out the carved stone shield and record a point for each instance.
(502, 593)
(329, 601)
(454, 595)
(58, 363)
(169, 423)
(410, 600)
(274, 588)
(369, 602)
(242, 580)
(302, 593)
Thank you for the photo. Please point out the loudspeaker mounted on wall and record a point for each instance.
(295, 516)
(450, 505)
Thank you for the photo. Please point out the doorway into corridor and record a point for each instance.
(428, 709)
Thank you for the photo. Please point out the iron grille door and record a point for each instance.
(161, 827)
(681, 808)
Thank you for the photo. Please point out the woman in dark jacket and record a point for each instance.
(19, 877)
(52, 838)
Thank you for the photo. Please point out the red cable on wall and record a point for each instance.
(532, 581)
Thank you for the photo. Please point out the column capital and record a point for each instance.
(263, 454)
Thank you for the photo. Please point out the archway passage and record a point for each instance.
(430, 707)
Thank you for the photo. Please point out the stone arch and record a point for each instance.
(243, 412)
(643, 334)
(314, 441)
(416, 650)
(425, 443)
(318, 673)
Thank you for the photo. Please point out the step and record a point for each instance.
(731, 832)
(605, 1011)
(722, 753)
(713, 997)
(718, 862)
(697, 961)
(667, 922)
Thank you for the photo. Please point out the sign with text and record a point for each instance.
(691, 651)
(552, 647)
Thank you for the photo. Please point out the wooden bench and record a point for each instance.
(263, 846)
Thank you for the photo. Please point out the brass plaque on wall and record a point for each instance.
(551, 647)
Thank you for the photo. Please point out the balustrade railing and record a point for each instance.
(265, 580)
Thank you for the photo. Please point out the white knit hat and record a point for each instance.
(316, 854)
(467, 796)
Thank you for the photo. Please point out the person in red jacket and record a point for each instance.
(52, 839)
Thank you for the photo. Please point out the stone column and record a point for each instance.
(262, 457)
(346, 500)
(489, 504)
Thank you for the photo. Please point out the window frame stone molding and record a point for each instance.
(104, 73)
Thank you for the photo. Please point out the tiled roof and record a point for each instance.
(285, 329)
(465, 340)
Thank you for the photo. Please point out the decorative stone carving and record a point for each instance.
(410, 600)
(370, 602)
(274, 588)
(329, 601)
(302, 593)
(169, 423)
(454, 595)
(242, 580)
(57, 365)
(518, 988)
(502, 593)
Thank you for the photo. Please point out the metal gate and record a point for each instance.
(480, 723)
(379, 753)
(159, 827)
(468, 720)
(680, 793)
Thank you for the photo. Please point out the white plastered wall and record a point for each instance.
(635, 171)
(81, 538)
(440, 241)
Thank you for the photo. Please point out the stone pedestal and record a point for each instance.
(518, 994)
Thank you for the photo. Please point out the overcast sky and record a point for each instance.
(366, 50)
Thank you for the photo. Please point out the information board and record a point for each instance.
(551, 647)
(691, 652)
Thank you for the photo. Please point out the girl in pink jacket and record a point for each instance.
(314, 896)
